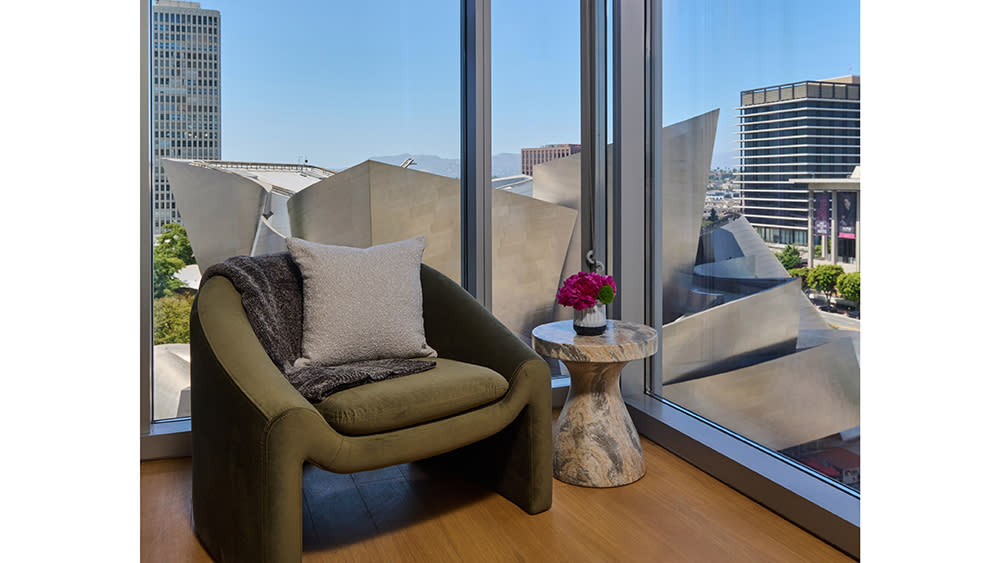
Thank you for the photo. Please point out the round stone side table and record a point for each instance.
(594, 442)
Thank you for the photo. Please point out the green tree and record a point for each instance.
(849, 287)
(802, 274)
(171, 253)
(789, 257)
(713, 215)
(824, 278)
(172, 319)
(173, 240)
(165, 265)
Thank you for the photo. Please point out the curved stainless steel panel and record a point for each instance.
(687, 159)
(732, 335)
(336, 210)
(269, 240)
(376, 203)
(220, 210)
(530, 238)
(784, 402)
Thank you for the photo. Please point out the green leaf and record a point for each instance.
(606, 294)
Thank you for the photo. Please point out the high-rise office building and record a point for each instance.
(795, 131)
(537, 155)
(185, 94)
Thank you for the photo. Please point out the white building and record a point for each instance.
(185, 94)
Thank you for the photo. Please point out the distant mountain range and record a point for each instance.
(504, 164)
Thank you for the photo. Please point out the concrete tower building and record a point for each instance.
(794, 132)
(538, 155)
(186, 94)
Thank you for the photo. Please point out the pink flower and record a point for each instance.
(580, 291)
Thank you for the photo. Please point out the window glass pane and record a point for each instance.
(536, 159)
(349, 135)
(743, 344)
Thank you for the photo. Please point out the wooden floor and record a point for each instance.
(421, 512)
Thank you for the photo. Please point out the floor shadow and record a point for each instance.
(339, 510)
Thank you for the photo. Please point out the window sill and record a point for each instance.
(166, 439)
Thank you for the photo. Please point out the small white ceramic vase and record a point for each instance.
(591, 321)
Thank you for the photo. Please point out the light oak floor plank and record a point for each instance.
(423, 512)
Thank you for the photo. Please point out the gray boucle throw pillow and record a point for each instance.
(360, 303)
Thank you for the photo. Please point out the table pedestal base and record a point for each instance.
(594, 442)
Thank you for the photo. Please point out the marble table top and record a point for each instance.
(623, 341)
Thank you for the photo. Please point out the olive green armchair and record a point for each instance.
(252, 432)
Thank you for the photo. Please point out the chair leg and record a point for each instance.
(525, 474)
(258, 520)
(248, 512)
(282, 524)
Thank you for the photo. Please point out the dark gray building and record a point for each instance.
(795, 131)
(185, 94)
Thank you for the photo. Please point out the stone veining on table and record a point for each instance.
(595, 443)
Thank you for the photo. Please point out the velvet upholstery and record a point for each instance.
(252, 431)
(448, 389)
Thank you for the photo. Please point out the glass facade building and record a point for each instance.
(791, 132)
(185, 94)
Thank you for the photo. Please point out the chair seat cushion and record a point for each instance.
(450, 388)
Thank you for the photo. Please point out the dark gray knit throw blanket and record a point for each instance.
(270, 288)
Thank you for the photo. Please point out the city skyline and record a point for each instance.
(340, 94)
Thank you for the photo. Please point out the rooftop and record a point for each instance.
(290, 178)
(177, 4)
(840, 88)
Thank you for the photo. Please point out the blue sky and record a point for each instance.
(337, 82)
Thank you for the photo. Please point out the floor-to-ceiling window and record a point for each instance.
(536, 159)
(752, 376)
(337, 123)
(743, 346)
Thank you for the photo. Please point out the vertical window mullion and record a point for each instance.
(476, 186)
(146, 235)
(629, 181)
(654, 185)
(593, 133)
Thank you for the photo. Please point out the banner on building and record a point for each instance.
(821, 214)
(847, 214)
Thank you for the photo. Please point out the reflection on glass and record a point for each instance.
(743, 345)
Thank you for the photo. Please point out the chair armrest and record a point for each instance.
(227, 358)
(251, 431)
(459, 328)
